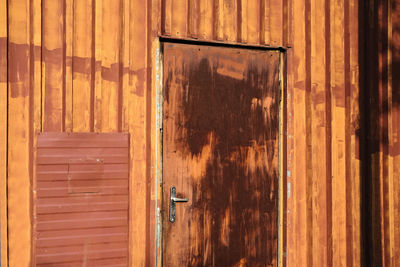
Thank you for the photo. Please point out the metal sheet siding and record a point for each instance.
(88, 65)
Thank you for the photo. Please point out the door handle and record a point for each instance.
(172, 201)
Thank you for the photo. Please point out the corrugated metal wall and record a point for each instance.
(87, 66)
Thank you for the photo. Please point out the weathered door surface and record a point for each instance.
(220, 150)
(81, 200)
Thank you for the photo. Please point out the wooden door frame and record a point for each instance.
(156, 107)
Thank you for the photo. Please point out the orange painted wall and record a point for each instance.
(87, 65)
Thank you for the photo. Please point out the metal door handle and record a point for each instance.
(173, 200)
(177, 199)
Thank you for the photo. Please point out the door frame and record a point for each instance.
(156, 132)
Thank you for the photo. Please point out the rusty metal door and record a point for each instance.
(220, 156)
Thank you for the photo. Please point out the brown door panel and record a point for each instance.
(220, 150)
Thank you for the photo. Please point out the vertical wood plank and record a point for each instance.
(244, 21)
(229, 21)
(137, 128)
(111, 72)
(69, 45)
(194, 18)
(298, 246)
(166, 17)
(36, 98)
(266, 22)
(36, 38)
(179, 20)
(390, 135)
(19, 132)
(253, 22)
(98, 35)
(355, 133)
(155, 14)
(309, 136)
(287, 25)
(124, 59)
(82, 66)
(219, 20)
(384, 135)
(206, 19)
(394, 127)
(3, 134)
(53, 65)
(371, 187)
(291, 205)
(339, 184)
(153, 147)
(319, 124)
(276, 18)
(154, 152)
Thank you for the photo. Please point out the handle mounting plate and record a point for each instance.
(172, 203)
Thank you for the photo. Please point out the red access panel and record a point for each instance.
(81, 199)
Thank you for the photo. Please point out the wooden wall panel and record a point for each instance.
(298, 201)
(53, 65)
(89, 66)
(257, 22)
(323, 227)
(82, 66)
(111, 67)
(339, 135)
(355, 140)
(20, 109)
(3, 134)
(381, 188)
(138, 100)
(320, 125)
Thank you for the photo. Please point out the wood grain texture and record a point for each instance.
(298, 209)
(319, 128)
(69, 48)
(111, 67)
(276, 22)
(3, 134)
(179, 18)
(90, 67)
(82, 66)
(254, 22)
(224, 159)
(385, 168)
(137, 127)
(355, 137)
(20, 131)
(53, 65)
(394, 129)
(339, 138)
